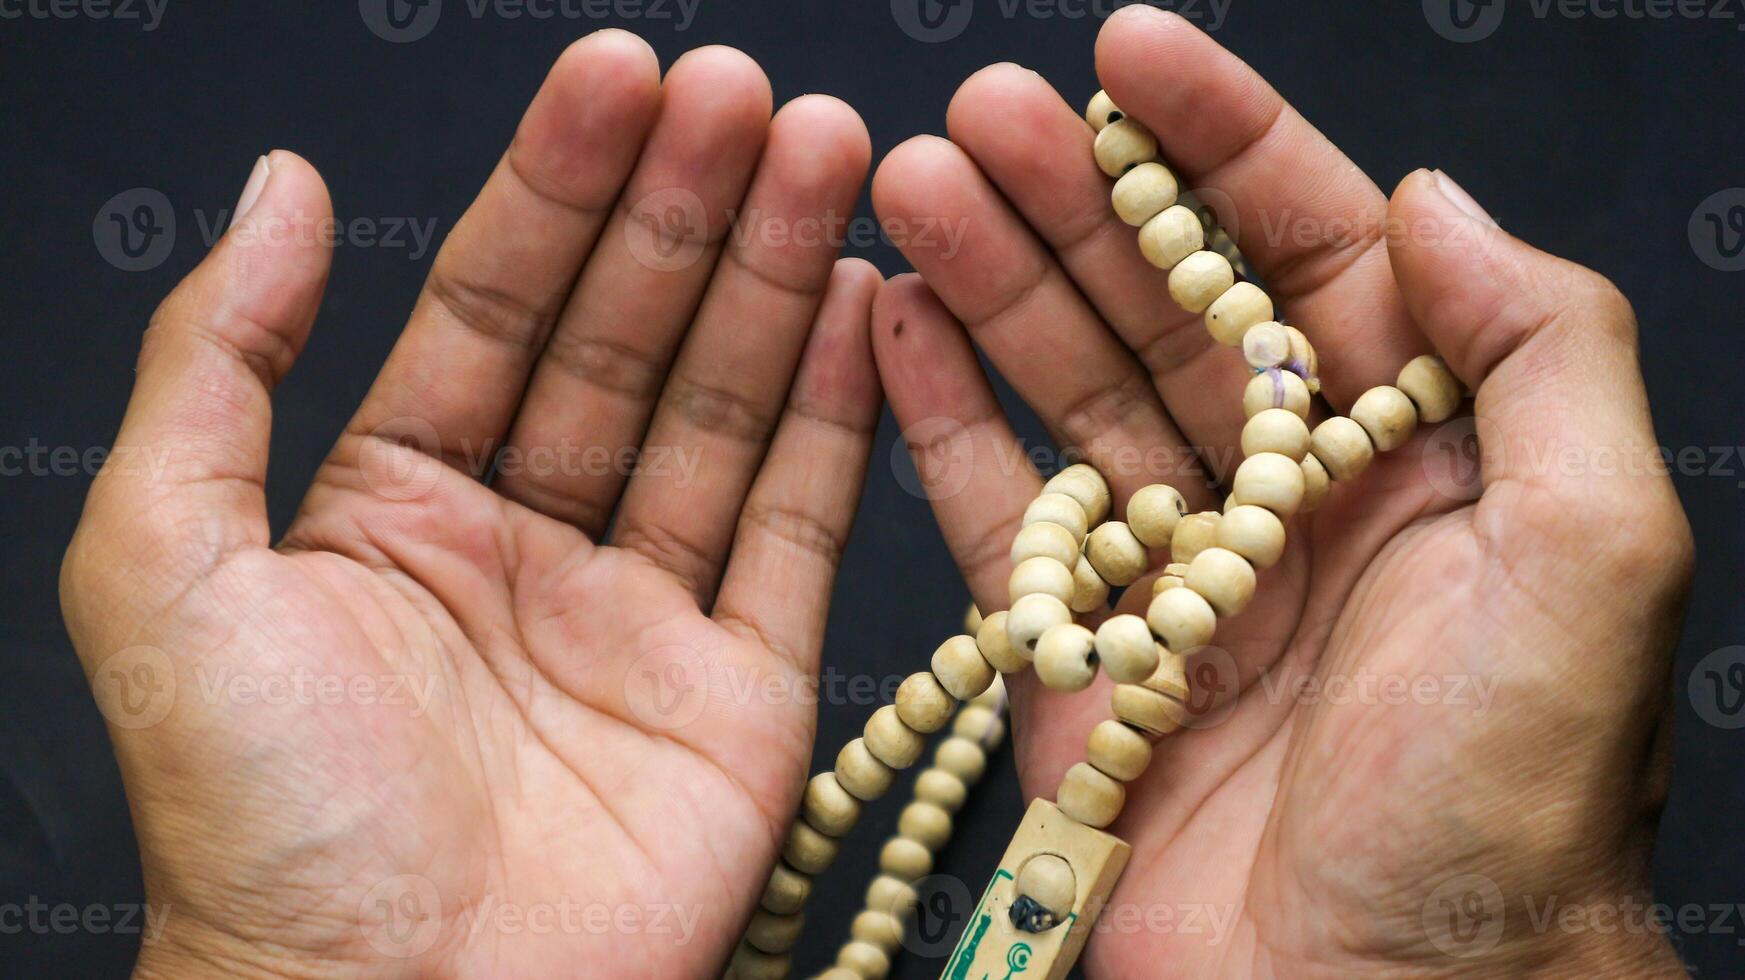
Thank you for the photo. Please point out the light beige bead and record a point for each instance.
(751, 963)
(1316, 483)
(1342, 447)
(786, 891)
(896, 744)
(1170, 236)
(1198, 280)
(1048, 880)
(1266, 345)
(923, 703)
(1118, 751)
(774, 933)
(1101, 111)
(926, 823)
(996, 648)
(1387, 415)
(1154, 511)
(1116, 553)
(1183, 618)
(1064, 658)
(1165, 582)
(1194, 534)
(961, 668)
(1433, 388)
(1230, 315)
(972, 619)
(809, 850)
(865, 959)
(1177, 568)
(890, 895)
(1225, 578)
(880, 928)
(1083, 483)
(1171, 675)
(981, 724)
(1040, 575)
(905, 859)
(1276, 389)
(1126, 648)
(1123, 145)
(994, 697)
(864, 776)
(829, 808)
(1230, 503)
(1045, 539)
(1269, 480)
(941, 788)
(1089, 796)
(1089, 591)
(1255, 533)
(834, 973)
(1058, 508)
(1276, 430)
(962, 758)
(1143, 193)
(1030, 617)
(1149, 711)
(1303, 361)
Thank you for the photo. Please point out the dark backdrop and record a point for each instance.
(1602, 139)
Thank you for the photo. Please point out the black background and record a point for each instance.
(1595, 138)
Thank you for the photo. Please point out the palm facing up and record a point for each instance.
(1439, 714)
(439, 728)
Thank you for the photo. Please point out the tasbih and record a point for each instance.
(1061, 865)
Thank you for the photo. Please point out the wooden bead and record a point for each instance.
(1043, 576)
(1303, 362)
(1316, 483)
(1343, 447)
(1183, 618)
(926, 823)
(786, 891)
(961, 668)
(1089, 796)
(828, 808)
(1224, 578)
(1046, 539)
(890, 895)
(941, 788)
(834, 973)
(1089, 591)
(1154, 511)
(1433, 388)
(1101, 111)
(1058, 508)
(1032, 616)
(774, 933)
(1144, 192)
(809, 850)
(1115, 553)
(1048, 880)
(1170, 236)
(1164, 582)
(1269, 480)
(862, 775)
(1255, 533)
(1194, 534)
(962, 758)
(896, 744)
(1065, 659)
(1230, 315)
(1198, 280)
(979, 724)
(972, 619)
(751, 963)
(1387, 415)
(1118, 751)
(1083, 483)
(923, 703)
(1123, 145)
(1276, 430)
(878, 927)
(1177, 567)
(996, 649)
(1149, 711)
(905, 859)
(1126, 648)
(1276, 389)
(1171, 675)
(1266, 345)
(865, 959)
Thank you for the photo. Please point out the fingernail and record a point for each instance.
(251, 191)
(1462, 201)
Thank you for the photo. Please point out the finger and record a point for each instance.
(184, 484)
(594, 387)
(1020, 307)
(1307, 218)
(1000, 116)
(499, 280)
(797, 517)
(732, 376)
